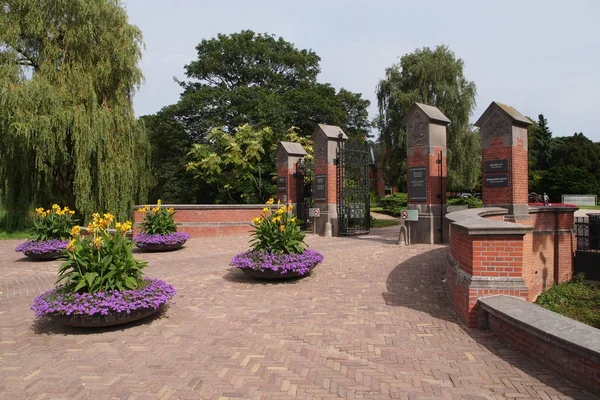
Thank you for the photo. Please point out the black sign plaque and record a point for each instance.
(496, 180)
(496, 166)
(282, 184)
(320, 187)
(417, 184)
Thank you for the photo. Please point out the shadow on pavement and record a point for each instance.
(417, 283)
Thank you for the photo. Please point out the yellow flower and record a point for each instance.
(266, 210)
(144, 209)
(55, 207)
(270, 201)
(92, 228)
(290, 207)
(59, 212)
(76, 230)
(256, 221)
(43, 214)
(277, 219)
(71, 245)
(159, 202)
(156, 209)
(108, 220)
(39, 211)
(98, 242)
(282, 228)
(293, 220)
(118, 226)
(71, 212)
(124, 227)
(282, 210)
(171, 210)
(278, 201)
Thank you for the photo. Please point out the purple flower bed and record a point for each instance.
(264, 261)
(144, 239)
(59, 301)
(42, 246)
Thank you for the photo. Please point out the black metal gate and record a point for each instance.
(305, 177)
(353, 208)
(587, 257)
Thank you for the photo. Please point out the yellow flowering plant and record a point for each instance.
(101, 260)
(54, 223)
(158, 220)
(277, 231)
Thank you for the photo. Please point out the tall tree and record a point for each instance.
(541, 145)
(68, 70)
(263, 81)
(433, 77)
(578, 151)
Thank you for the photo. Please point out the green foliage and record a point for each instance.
(433, 77)
(102, 261)
(237, 164)
(54, 223)
(561, 180)
(158, 220)
(580, 152)
(374, 198)
(68, 71)
(472, 202)
(575, 299)
(277, 232)
(541, 144)
(394, 203)
(383, 223)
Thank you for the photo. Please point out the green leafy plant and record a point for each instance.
(158, 220)
(54, 223)
(101, 261)
(394, 203)
(277, 231)
(472, 202)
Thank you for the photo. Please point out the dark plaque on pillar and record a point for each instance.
(320, 187)
(496, 166)
(282, 184)
(417, 184)
(496, 180)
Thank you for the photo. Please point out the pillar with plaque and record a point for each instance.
(427, 171)
(287, 154)
(504, 160)
(325, 143)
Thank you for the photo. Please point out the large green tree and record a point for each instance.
(263, 81)
(577, 151)
(434, 77)
(68, 70)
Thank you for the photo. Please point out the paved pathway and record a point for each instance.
(371, 322)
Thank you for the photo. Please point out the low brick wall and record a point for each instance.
(491, 256)
(202, 220)
(558, 343)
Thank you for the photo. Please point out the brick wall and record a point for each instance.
(516, 192)
(210, 220)
(580, 369)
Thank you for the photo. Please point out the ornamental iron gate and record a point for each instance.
(587, 256)
(353, 208)
(305, 177)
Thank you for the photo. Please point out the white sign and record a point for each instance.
(314, 212)
(410, 215)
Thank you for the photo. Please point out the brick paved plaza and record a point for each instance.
(371, 322)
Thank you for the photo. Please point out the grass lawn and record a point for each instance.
(383, 223)
(380, 210)
(575, 299)
(589, 207)
(14, 235)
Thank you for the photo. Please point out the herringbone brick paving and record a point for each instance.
(371, 322)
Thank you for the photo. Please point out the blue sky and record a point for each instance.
(537, 56)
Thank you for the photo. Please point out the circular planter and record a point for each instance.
(43, 256)
(102, 321)
(162, 247)
(273, 275)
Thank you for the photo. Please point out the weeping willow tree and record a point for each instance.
(68, 134)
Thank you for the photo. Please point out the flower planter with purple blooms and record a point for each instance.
(265, 265)
(101, 309)
(160, 242)
(42, 249)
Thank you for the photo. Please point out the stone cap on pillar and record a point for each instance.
(326, 139)
(425, 127)
(331, 131)
(288, 153)
(497, 122)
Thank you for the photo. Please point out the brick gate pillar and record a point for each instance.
(325, 141)
(287, 154)
(427, 171)
(504, 160)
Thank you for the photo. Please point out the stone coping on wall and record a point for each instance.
(558, 330)
(211, 206)
(541, 209)
(472, 221)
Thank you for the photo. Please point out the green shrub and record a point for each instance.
(158, 220)
(277, 232)
(472, 202)
(394, 203)
(55, 223)
(374, 199)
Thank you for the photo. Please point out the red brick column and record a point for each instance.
(427, 172)
(504, 160)
(288, 154)
(326, 139)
